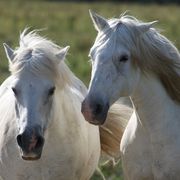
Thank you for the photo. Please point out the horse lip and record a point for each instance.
(96, 122)
(92, 119)
(29, 158)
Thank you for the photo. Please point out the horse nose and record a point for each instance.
(97, 108)
(94, 110)
(29, 142)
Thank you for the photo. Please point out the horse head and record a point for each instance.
(34, 87)
(114, 71)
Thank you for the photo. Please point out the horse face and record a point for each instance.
(34, 96)
(112, 76)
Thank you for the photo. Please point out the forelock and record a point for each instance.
(35, 53)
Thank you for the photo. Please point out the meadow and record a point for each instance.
(69, 24)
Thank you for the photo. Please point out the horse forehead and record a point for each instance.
(31, 82)
(102, 49)
(24, 54)
(32, 85)
(108, 51)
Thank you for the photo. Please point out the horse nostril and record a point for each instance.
(19, 140)
(40, 142)
(98, 109)
(28, 143)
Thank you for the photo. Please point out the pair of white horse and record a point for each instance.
(131, 58)
(41, 101)
(43, 135)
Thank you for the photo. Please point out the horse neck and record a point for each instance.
(65, 111)
(154, 107)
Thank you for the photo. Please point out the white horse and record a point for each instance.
(40, 107)
(131, 58)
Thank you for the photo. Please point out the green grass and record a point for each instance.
(69, 24)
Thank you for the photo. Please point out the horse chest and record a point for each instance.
(166, 154)
(154, 156)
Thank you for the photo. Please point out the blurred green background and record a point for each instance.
(68, 23)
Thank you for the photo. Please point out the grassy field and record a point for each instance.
(69, 24)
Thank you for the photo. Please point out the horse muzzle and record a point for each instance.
(94, 111)
(31, 144)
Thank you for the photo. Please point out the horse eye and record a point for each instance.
(123, 58)
(51, 91)
(14, 91)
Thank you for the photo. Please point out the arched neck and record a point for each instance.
(66, 108)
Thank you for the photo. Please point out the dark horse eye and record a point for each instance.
(123, 58)
(14, 91)
(51, 91)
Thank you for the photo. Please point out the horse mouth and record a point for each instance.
(28, 158)
(95, 114)
(96, 122)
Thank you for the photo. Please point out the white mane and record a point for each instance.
(39, 55)
(150, 51)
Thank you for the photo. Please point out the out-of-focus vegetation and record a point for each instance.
(69, 24)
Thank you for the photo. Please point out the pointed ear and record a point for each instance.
(99, 22)
(144, 27)
(62, 54)
(9, 52)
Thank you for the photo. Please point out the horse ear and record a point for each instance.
(62, 53)
(144, 27)
(99, 22)
(9, 52)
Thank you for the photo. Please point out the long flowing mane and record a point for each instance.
(38, 54)
(151, 52)
(163, 59)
